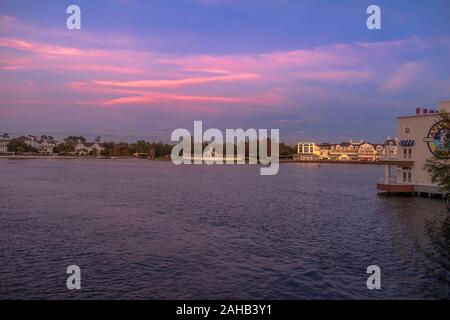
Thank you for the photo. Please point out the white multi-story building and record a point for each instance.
(88, 147)
(4, 145)
(308, 151)
(31, 141)
(46, 147)
(367, 152)
(419, 136)
(390, 149)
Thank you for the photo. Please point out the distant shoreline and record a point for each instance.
(75, 158)
(168, 159)
(333, 162)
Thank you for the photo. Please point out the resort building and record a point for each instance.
(325, 151)
(4, 145)
(345, 151)
(31, 141)
(390, 149)
(367, 152)
(419, 137)
(380, 151)
(308, 151)
(46, 147)
(88, 148)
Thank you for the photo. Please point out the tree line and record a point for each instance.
(117, 149)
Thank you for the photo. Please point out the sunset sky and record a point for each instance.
(139, 69)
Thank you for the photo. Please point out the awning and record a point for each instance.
(407, 143)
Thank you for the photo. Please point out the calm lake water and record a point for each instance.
(151, 230)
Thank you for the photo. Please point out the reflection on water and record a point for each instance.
(143, 229)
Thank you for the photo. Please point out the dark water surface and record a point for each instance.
(147, 230)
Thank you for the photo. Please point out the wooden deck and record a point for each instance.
(395, 187)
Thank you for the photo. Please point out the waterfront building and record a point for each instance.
(46, 147)
(325, 151)
(4, 145)
(80, 149)
(367, 153)
(94, 147)
(30, 140)
(308, 151)
(379, 148)
(345, 151)
(87, 148)
(390, 149)
(418, 137)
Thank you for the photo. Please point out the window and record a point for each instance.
(407, 153)
(407, 175)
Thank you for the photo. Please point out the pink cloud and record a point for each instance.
(318, 58)
(402, 77)
(158, 97)
(91, 89)
(113, 76)
(43, 48)
(174, 83)
(161, 97)
(62, 66)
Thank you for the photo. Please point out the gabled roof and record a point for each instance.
(90, 144)
(44, 143)
(368, 143)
